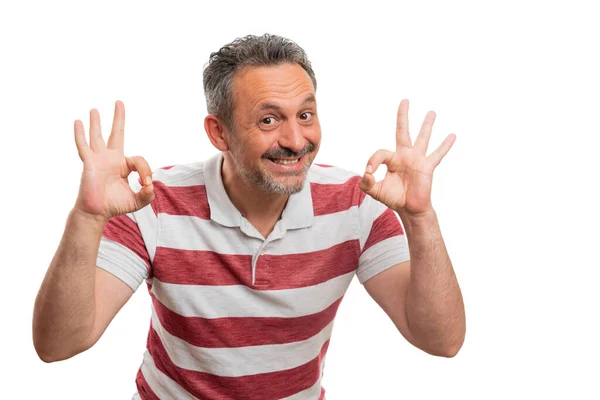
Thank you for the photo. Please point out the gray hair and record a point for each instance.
(248, 51)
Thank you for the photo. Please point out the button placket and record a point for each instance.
(278, 233)
(260, 252)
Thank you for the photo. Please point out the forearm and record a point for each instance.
(434, 304)
(64, 309)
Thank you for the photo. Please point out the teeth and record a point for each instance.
(286, 162)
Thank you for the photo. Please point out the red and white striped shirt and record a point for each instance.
(235, 315)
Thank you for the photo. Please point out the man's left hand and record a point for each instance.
(406, 187)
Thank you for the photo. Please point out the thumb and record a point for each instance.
(146, 193)
(145, 196)
(369, 185)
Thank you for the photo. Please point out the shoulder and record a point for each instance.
(175, 185)
(188, 174)
(329, 174)
(334, 188)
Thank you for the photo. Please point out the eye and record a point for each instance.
(268, 121)
(306, 116)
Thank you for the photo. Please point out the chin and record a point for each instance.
(286, 185)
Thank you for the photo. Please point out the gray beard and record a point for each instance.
(266, 182)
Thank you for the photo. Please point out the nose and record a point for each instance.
(291, 136)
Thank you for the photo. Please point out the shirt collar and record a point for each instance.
(222, 209)
(298, 212)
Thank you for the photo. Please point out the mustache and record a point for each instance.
(284, 152)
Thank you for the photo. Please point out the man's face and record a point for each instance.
(276, 129)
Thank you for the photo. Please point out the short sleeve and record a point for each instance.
(382, 239)
(127, 245)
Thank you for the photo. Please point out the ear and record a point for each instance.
(217, 132)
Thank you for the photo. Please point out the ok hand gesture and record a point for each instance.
(104, 191)
(406, 187)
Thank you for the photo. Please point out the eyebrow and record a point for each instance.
(270, 106)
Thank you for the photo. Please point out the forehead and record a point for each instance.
(284, 83)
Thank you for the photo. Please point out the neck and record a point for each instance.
(251, 201)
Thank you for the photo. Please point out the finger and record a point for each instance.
(379, 157)
(440, 152)
(96, 141)
(82, 147)
(141, 166)
(145, 196)
(370, 186)
(422, 140)
(402, 135)
(116, 138)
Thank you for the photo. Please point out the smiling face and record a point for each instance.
(276, 129)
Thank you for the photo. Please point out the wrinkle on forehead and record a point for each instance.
(282, 82)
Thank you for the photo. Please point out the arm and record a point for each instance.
(76, 300)
(422, 296)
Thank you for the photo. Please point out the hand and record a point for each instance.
(406, 187)
(104, 191)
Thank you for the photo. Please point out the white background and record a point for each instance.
(517, 199)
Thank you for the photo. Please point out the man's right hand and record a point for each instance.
(104, 191)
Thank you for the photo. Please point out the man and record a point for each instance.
(247, 256)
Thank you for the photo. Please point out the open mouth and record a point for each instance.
(284, 162)
(287, 164)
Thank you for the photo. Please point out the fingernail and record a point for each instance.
(148, 180)
(369, 169)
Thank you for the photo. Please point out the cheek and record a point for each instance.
(314, 135)
(259, 144)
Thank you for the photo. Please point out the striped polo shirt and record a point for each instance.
(235, 315)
